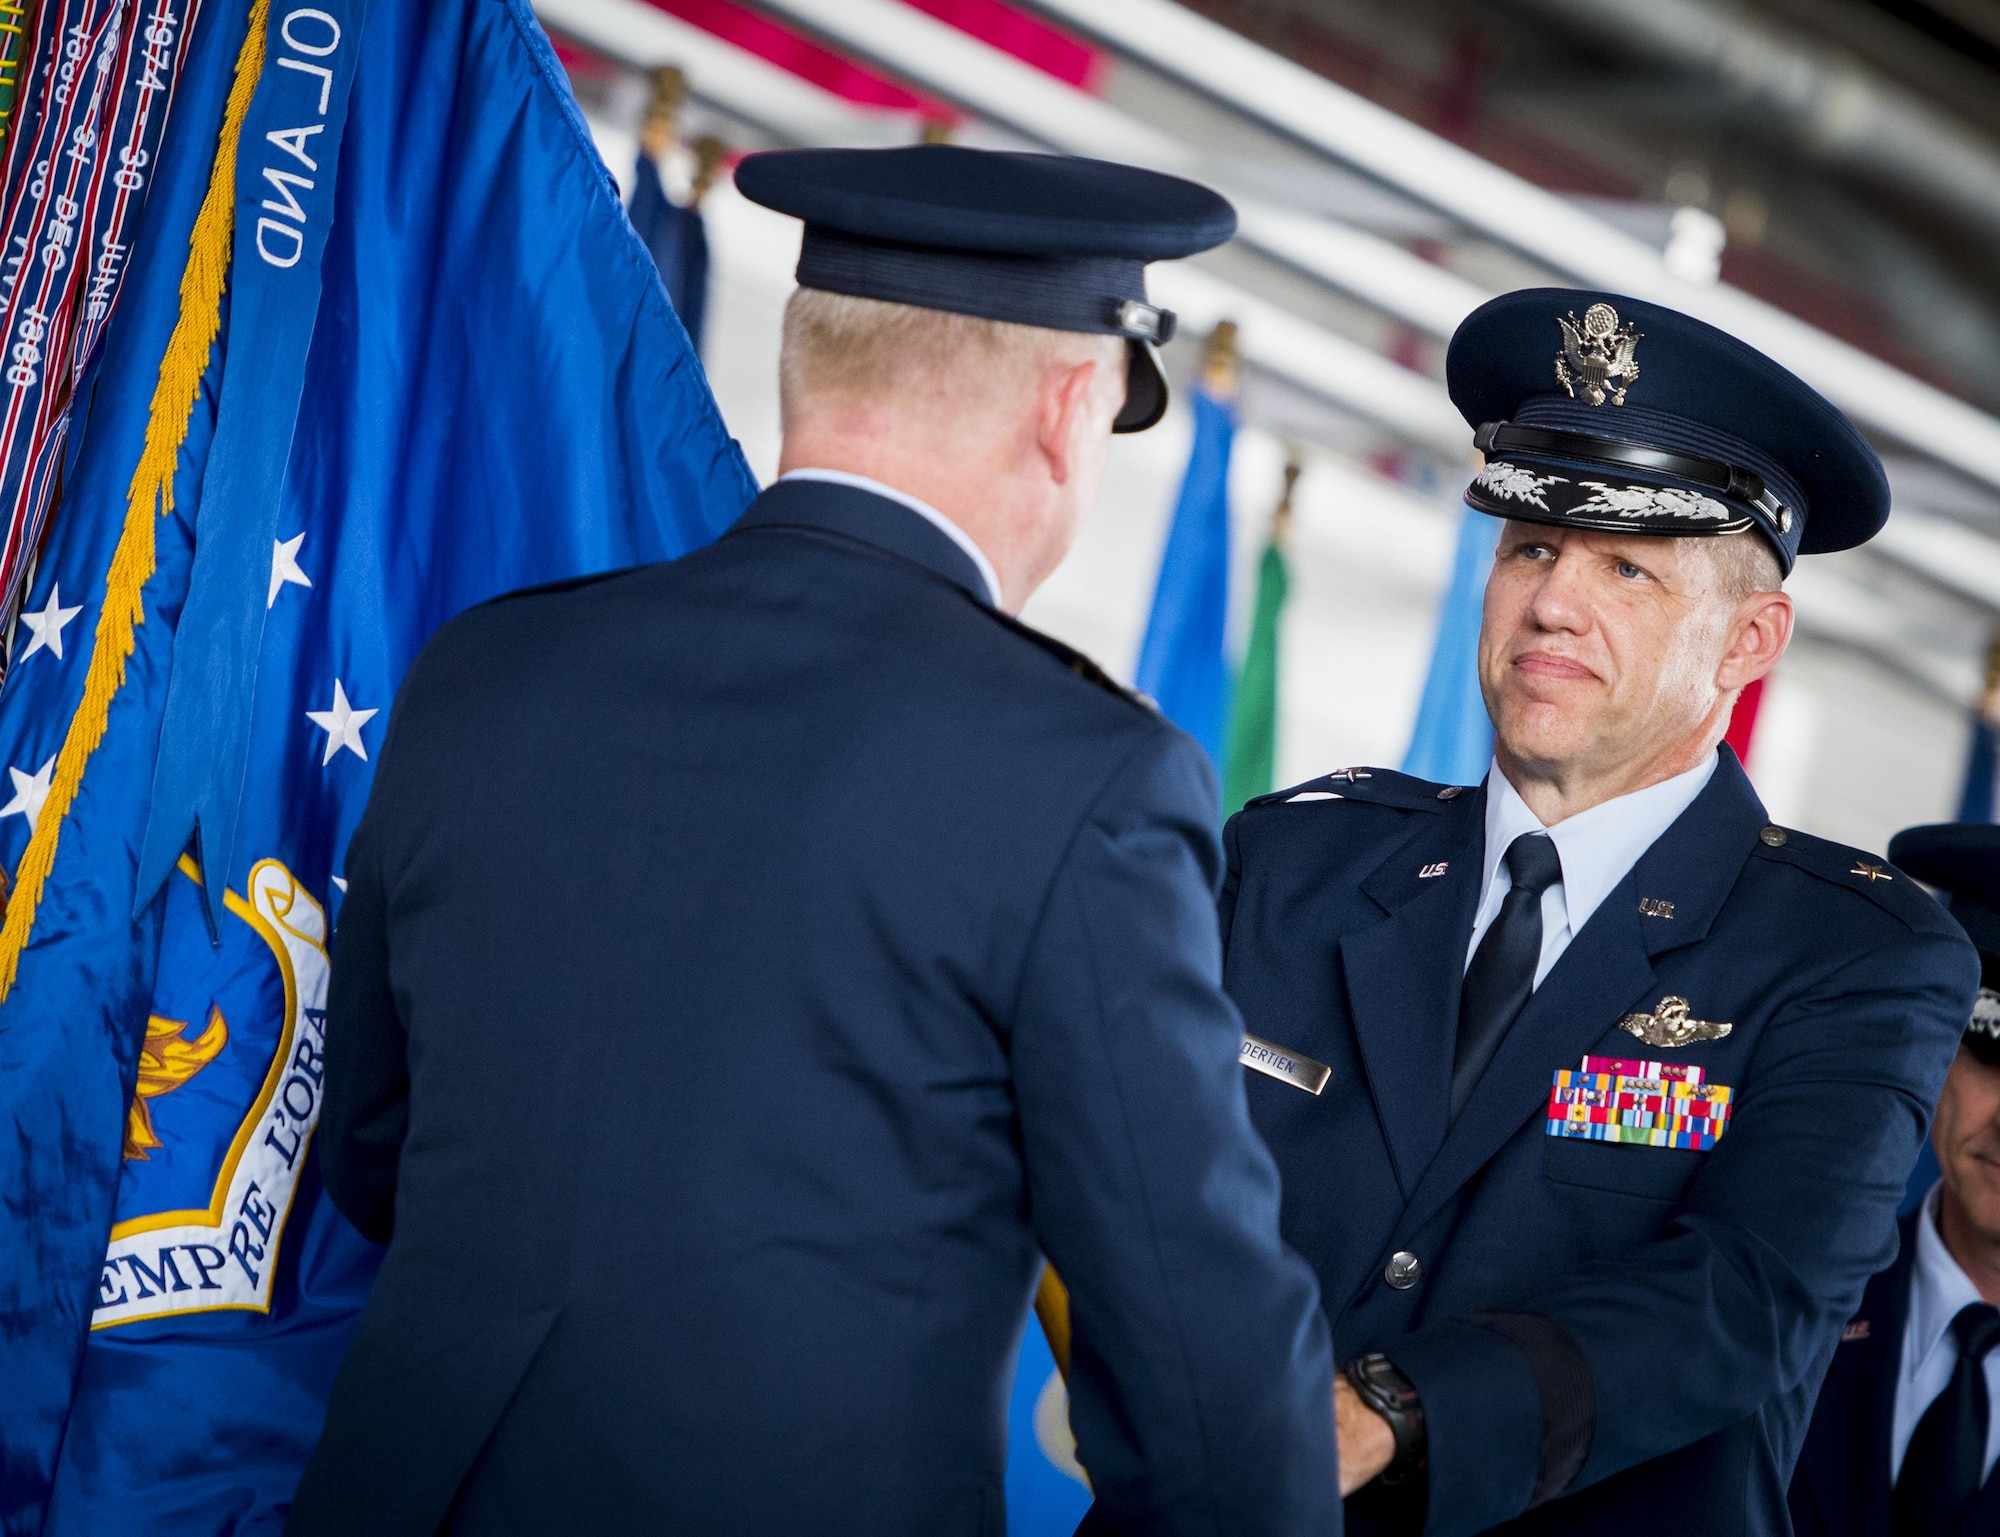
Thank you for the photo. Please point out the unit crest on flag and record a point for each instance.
(213, 1152)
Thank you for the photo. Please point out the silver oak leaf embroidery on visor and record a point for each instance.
(1512, 483)
(1652, 502)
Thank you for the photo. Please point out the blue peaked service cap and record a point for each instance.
(1038, 240)
(1962, 859)
(1604, 412)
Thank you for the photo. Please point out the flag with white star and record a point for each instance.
(495, 395)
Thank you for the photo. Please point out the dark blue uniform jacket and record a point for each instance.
(751, 967)
(1842, 1486)
(1605, 1337)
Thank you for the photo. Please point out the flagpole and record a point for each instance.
(1975, 800)
(1251, 761)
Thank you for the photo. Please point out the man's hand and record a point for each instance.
(1366, 1443)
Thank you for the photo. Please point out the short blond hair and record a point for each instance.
(1747, 564)
(839, 347)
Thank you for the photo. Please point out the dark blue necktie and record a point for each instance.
(1501, 978)
(1946, 1462)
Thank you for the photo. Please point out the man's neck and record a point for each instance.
(945, 487)
(1555, 792)
(1977, 1253)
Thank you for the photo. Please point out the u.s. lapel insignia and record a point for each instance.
(1870, 872)
(1262, 1056)
(1671, 1024)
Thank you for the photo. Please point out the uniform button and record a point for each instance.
(1404, 1270)
(1773, 837)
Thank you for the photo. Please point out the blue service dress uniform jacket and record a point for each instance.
(1842, 1487)
(1605, 1337)
(751, 967)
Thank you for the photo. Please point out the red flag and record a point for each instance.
(1743, 719)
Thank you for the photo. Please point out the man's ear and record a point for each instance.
(1066, 415)
(1763, 628)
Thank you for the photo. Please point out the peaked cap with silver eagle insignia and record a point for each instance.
(1603, 412)
(1962, 860)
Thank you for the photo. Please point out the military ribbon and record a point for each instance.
(284, 204)
(77, 170)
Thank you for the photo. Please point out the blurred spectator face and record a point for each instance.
(1966, 1135)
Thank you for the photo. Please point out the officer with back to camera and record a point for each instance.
(753, 965)
(1593, 1091)
(1905, 1438)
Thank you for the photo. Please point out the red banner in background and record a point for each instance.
(993, 22)
(1743, 720)
(775, 43)
(1027, 38)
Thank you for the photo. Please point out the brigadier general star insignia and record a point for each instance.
(1671, 1024)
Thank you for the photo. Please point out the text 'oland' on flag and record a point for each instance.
(388, 348)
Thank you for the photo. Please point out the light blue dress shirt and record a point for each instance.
(1597, 847)
(1938, 1290)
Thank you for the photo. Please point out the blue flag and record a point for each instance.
(1047, 1493)
(446, 369)
(1452, 742)
(1181, 662)
(1975, 798)
(678, 241)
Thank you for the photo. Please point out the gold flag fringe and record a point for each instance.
(152, 494)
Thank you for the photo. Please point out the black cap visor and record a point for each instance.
(1145, 390)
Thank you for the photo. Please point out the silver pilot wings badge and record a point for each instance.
(1596, 362)
(1672, 1023)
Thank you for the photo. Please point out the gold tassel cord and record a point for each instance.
(151, 494)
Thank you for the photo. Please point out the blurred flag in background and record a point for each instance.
(1742, 730)
(673, 232)
(1452, 742)
(1975, 798)
(1250, 764)
(475, 385)
(1181, 661)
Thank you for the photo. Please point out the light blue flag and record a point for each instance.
(1453, 739)
(1181, 662)
(448, 370)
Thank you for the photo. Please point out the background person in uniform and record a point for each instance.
(1614, 1321)
(753, 965)
(1905, 1436)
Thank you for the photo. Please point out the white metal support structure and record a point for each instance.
(1313, 111)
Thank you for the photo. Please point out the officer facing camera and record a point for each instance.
(753, 965)
(1599, 1089)
(1905, 1435)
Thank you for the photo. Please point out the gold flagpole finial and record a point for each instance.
(1989, 693)
(1281, 516)
(936, 131)
(1222, 362)
(656, 134)
(709, 153)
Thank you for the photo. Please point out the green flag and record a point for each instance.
(1252, 757)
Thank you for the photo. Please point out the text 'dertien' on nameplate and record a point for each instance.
(1261, 1056)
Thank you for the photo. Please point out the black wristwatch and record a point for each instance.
(1393, 1396)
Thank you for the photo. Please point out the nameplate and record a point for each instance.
(1261, 1056)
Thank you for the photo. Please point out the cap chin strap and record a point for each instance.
(1732, 480)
